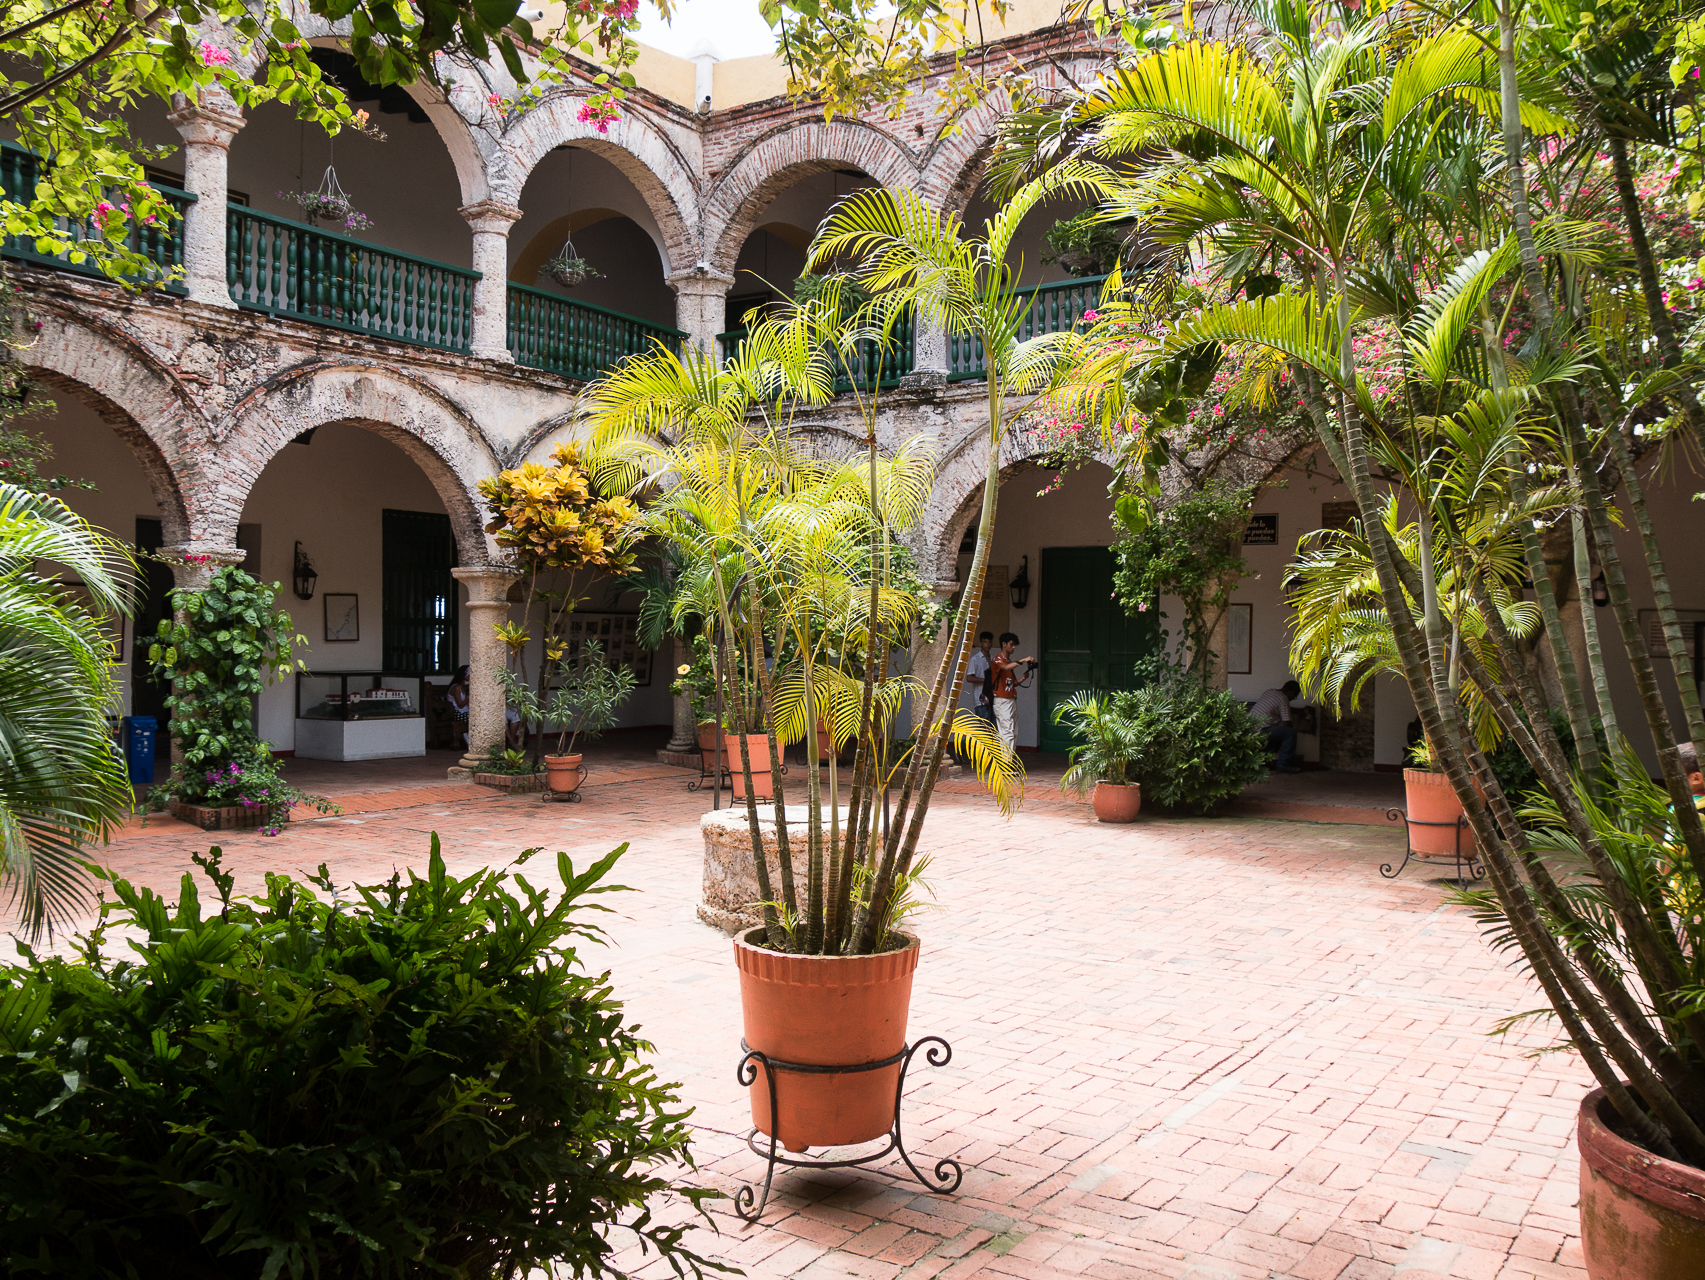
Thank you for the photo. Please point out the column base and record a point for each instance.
(220, 297)
(500, 354)
(458, 773)
(679, 759)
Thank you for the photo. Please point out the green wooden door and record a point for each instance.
(1088, 640)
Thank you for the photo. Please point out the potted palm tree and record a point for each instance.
(827, 977)
(1101, 762)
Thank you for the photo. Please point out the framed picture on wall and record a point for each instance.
(343, 617)
(1240, 626)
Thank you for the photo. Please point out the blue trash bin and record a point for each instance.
(137, 734)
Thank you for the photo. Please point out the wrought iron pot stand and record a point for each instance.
(1467, 868)
(749, 1204)
(547, 796)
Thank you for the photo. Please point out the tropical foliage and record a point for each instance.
(1109, 743)
(63, 785)
(584, 702)
(1192, 747)
(406, 1078)
(1429, 230)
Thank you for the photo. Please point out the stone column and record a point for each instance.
(488, 605)
(207, 128)
(491, 222)
(193, 566)
(929, 357)
(701, 301)
(685, 738)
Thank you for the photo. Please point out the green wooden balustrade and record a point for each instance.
(1055, 308)
(892, 365)
(576, 339)
(162, 245)
(287, 268)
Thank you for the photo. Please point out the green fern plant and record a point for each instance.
(1109, 745)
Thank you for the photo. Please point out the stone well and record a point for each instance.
(730, 878)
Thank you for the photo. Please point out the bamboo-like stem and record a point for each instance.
(1589, 623)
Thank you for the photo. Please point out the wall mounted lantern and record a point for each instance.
(1020, 584)
(304, 575)
(1601, 591)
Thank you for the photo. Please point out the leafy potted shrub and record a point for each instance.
(584, 704)
(1194, 747)
(410, 1077)
(1085, 245)
(1100, 764)
(773, 537)
(230, 644)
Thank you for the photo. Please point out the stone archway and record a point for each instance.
(438, 435)
(146, 407)
(768, 165)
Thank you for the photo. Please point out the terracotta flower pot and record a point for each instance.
(825, 1011)
(707, 736)
(1642, 1217)
(1116, 801)
(563, 772)
(1431, 799)
(759, 747)
(825, 746)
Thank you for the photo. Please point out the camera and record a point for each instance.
(1030, 664)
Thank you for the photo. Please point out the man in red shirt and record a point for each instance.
(1005, 668)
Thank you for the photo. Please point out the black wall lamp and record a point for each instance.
(304, 575)
(1601, 591)
(1020, 584)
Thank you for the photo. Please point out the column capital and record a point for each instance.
(491, 216)
(213, 121)
(194, 563)
(701, 279)
(488, 584)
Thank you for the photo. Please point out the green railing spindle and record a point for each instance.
(576, 339)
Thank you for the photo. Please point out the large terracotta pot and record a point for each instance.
(825, 1011)
(1642, 1217)
(1431, 799)
(707, 736)
(1116, 802)
(563, 772)
(759, 747)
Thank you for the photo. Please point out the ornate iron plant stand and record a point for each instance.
(750, 1204)
(1467, 869)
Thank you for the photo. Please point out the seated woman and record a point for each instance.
(457, 696)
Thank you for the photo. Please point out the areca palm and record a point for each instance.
(62, 783)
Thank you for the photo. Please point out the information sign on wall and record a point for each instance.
(1262, 531)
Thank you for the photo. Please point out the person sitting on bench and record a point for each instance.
(1272, 713)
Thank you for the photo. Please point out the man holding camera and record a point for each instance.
(1005, 668)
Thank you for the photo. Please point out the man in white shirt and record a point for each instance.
(976, 678)
(1272, 714)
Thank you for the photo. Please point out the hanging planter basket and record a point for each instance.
(329, 202)
(569, 269)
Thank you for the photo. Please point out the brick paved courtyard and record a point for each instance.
(1203, 1049)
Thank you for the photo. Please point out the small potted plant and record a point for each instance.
(1100, 764)
(583, 706)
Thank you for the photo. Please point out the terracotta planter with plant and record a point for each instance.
(758, 748)
(1101, 763)
(1642, 1216)
(562, 773)
(1429, 799)
(826, 1011)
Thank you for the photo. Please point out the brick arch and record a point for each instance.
(645, 155)
(144, 404)
(440, 437)
(769, 164)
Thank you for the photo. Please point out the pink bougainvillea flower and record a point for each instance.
(213, 56)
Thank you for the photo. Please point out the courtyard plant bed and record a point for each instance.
(519, 783)
(228, 817)
(412, 1076)
(225, 645)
